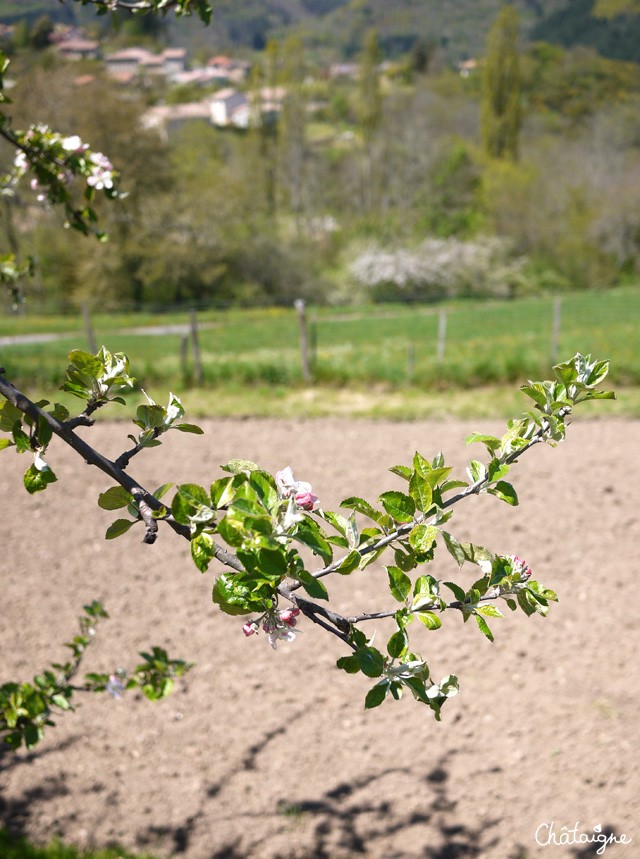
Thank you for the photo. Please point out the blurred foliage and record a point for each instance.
(264, 216)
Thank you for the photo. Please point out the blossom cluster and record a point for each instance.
(56, 160)
(277, 624)
(299, 490)
(519, 566)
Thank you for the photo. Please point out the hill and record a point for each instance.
(336, 27)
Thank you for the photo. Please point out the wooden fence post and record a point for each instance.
(195, 343)
(411, 361)
(304, 338)
(88, 330)
(555, 331)
(442, 334)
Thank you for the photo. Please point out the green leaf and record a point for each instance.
(191, 503)
(398, 644)
(349, 664)
(114, 498)
(376, 696)
(9, 416)
(5, 442)
(309, 533)
(117, 528)
(422, 538)
(222, 491)
(455, 549)
(489, 611)
(458, 592)
(399, 506)
(350, 563)
(362, 506)
(272, 562)
(265, 486)
(36, 480)
(60, 701)
(314, 587)
(399, 584)
(202, 550)
(421, 491)
(231, 531)
(489, 441)
(86, 363)
(233, 595)
(483, 626)
(192, 428)
(21, 439)
(430, 620)
(371, 661)
(239, 466)
(505, 492)
(402, 471)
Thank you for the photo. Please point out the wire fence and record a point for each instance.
(464, 343)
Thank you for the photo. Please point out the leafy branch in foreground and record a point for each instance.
(26, 709)
(256, 524)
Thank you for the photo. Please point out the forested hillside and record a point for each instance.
(398, 181)
(337, 26)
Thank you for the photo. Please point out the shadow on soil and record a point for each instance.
(347, 820)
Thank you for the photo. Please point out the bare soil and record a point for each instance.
(270, 754)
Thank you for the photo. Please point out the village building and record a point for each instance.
(131, 62)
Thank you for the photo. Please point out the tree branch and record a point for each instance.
(93, 457)
(472, 489)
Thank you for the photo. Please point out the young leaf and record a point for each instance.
(399, 584)
(350, 563)
(370, 660)
(202, 549)
(422, 538)
(484, 627)
(114, 498)
(430, 620)
(37, 479)
(349, 664)
(399, 506)
(117, 528)
(505, 492)
(455, 549)
(312, 586)
(376, 695)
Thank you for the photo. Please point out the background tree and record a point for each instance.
(293, 121)
(500, 111)
(369, 106)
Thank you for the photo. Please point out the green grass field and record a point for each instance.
(19, 848)
(385, 353)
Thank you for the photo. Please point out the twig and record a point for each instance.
(473, 489)
(93, 457)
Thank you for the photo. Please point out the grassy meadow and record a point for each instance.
(380, 360)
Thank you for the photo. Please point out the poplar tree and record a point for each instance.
(501, 114)
(293, 145)
(369, 105)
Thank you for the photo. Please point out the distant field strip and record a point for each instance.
(393, 345)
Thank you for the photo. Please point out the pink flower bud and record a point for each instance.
(305, 499)
(287, 616)
(249, 629)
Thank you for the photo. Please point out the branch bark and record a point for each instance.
(93, 457)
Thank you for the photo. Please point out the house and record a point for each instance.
(78, 49)
(229, 107)
(466, 67)
(235, 71)
(139, 61)
(167, 117)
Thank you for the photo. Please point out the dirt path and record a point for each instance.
(263, 754)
